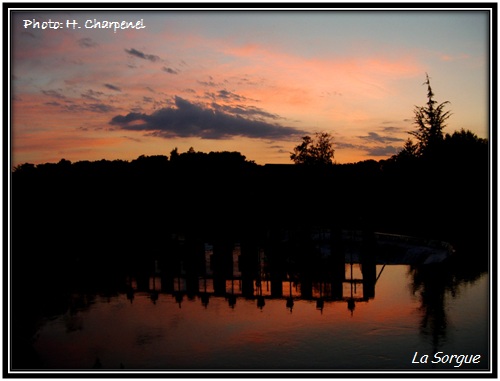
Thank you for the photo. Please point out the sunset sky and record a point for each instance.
(249, 81)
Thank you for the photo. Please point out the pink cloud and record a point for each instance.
(449, 58)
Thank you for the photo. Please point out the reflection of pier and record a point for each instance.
(239, 271)
(322, 292)
(321, 265)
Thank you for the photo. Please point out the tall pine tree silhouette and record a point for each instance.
(430, 121)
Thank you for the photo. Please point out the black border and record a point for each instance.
(301, 7)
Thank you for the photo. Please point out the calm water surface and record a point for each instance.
(159, 331)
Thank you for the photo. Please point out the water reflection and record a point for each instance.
(297, 272)
(307, 267)
(435, 286)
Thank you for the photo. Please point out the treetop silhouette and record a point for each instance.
(316, 151)
(430, 122)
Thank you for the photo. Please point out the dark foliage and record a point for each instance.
(316, 151)
(114, 207)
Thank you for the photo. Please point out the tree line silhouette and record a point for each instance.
(105, 205)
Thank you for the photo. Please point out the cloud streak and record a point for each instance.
(374, 137)
(169, 70)
(382, 151)
(91, 94)
(53, 94)
(191, 120)
(87, 43)
(144, 56)
(370, 151)
(95, 107)
(248, 111)
(112, 87)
